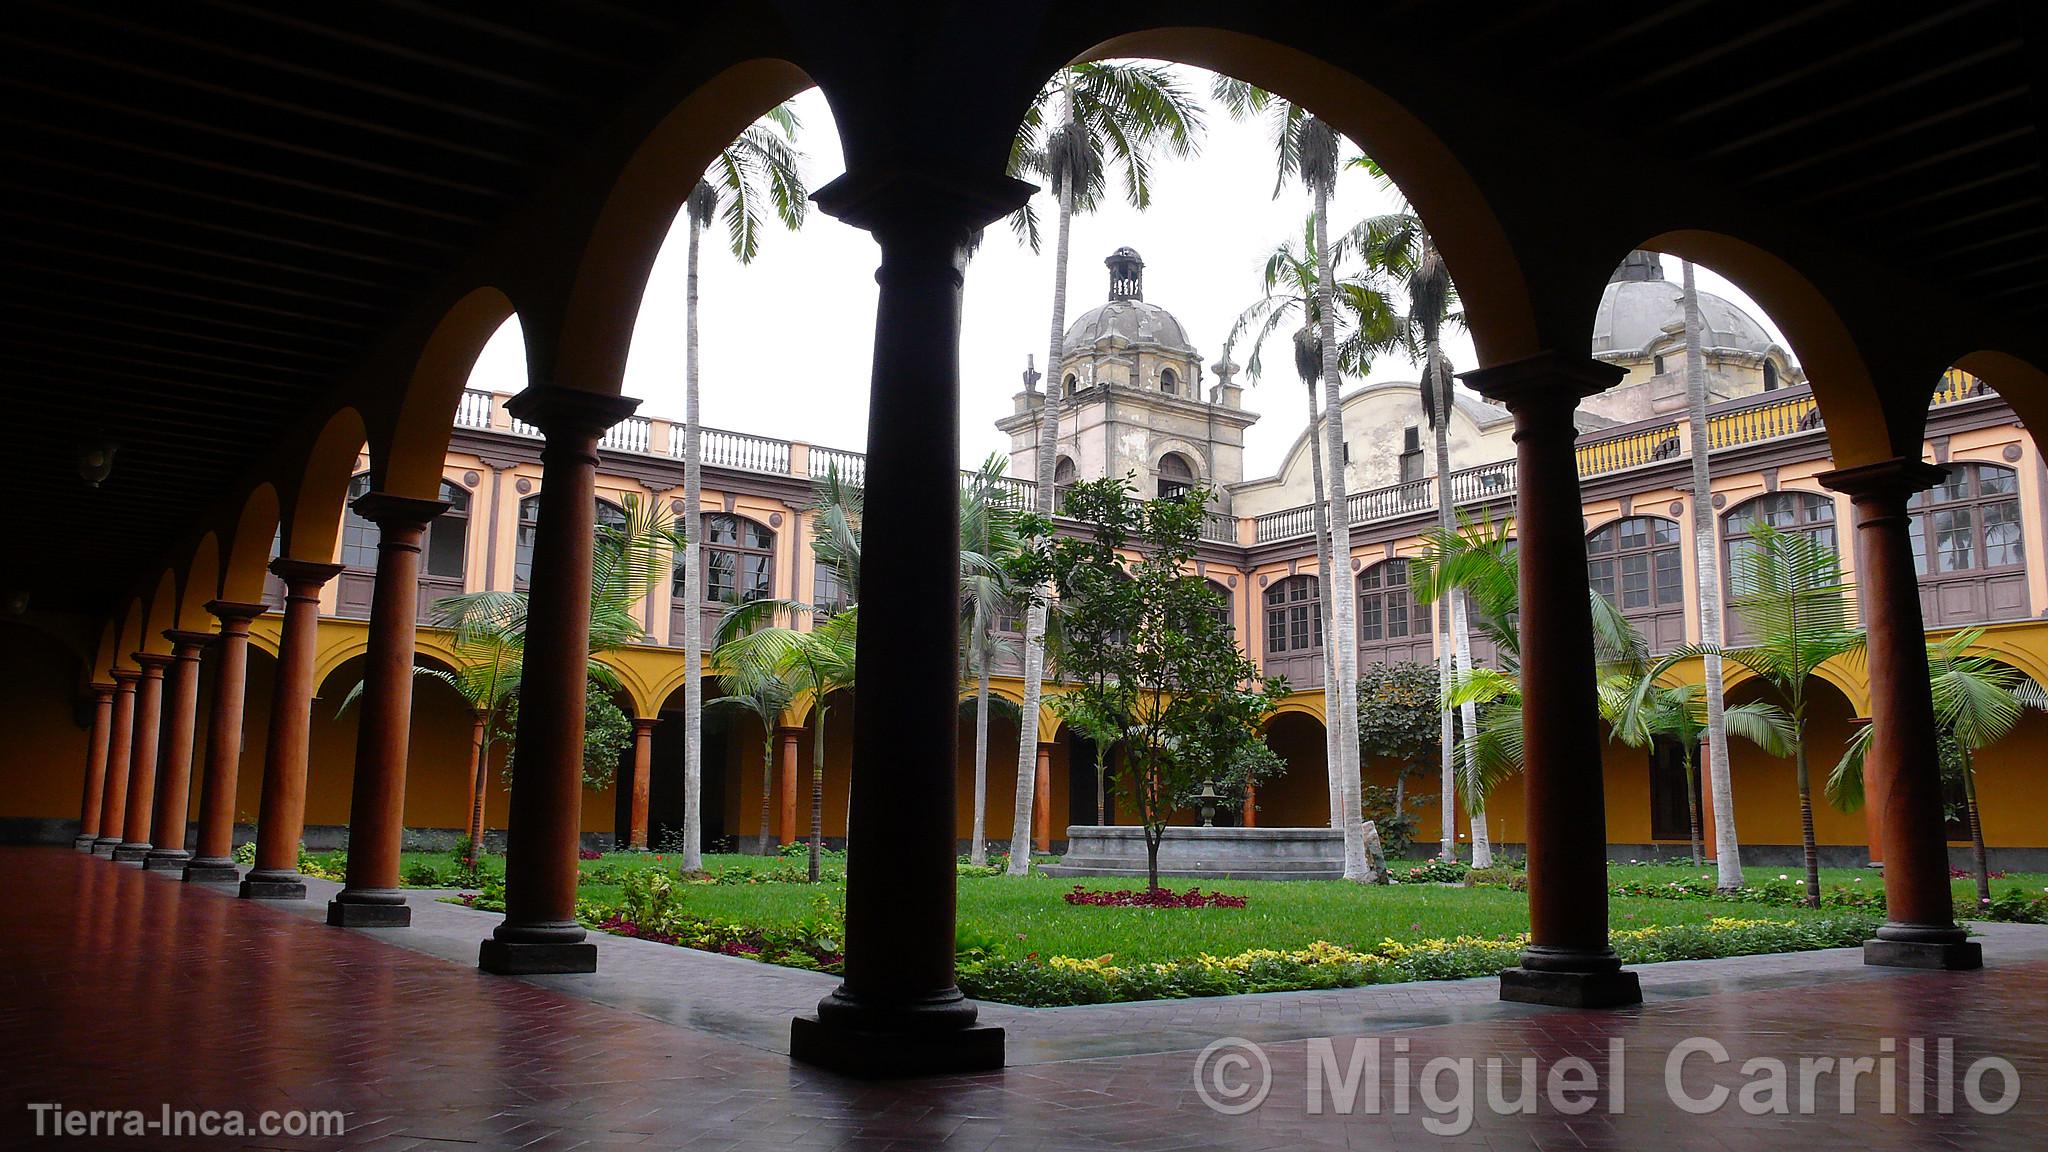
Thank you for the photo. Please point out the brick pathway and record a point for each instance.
(131, 990)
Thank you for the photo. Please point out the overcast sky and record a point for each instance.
(787, 341)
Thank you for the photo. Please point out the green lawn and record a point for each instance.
(1965, 888)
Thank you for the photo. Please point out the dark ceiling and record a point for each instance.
(211, 207)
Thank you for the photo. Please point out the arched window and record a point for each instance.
(1063, 472)
(1294, 631)
(1071, 385)
(1770, 376)
(444, 553)
(1176, 476)
(1222, 609)
(1636, 564)
(358, 536)
(738, 555)
(609, 515)
(1969, 546)
(1169, 383)
(1392, 627)
(1788, 511)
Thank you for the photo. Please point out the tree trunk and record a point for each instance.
(1034, 629)
(693, 596)
(1707, 579)
(1692, 803)
(1979, 861)
(1101, 788)
(767, 785)
(1468, 717)
(1333, 762)
(817, 790)
(1341, 592)
(1152, 840)
(474, 853)
(1453, 643)
(977, 848)
(1806, 820)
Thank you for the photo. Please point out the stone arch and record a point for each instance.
(1847, 675)
(1859, 429)
(129, 633)
(248, 546)
(2021, 383)
(106, 657)
(312, 510)
(406, 456)
(2012, 650)
(200, 583)
(1471, 237)
(644, 700)
(1306, 704)
(162, 613)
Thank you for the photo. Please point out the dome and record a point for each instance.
(1639, 302)
(1134, 320)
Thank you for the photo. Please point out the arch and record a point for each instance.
(106, 657)
(248, 547)
(1471, 237)
(1064, 471)
(2022, 384)
(1308, 704)
(1999, 645)
(407, 455)
(610, 277)
(1858, 427)
(312, 516)
(162, 613)
(346, 642)
(1846, 674)
(201, 583)
(128, 642)
(1169, 381)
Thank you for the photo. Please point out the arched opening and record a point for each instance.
(1766, 788)
(1169, 383)
(1176, 476)
(1064, 472)
(1001, 785)
(1299, 797)
(1636, 564)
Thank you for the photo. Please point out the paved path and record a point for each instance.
(132, 990)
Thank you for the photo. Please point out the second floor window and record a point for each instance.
(1968, 522)
(1383, 602)
(609, 515)
(359, 536)
(1176, 476)
(739, 559)
(1635, 564)
(1294, 616)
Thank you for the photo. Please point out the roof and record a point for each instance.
(1134, 320)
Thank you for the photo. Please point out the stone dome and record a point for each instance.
(1639, 302)
(1134, 320)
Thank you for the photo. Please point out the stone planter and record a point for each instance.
(1206, 853)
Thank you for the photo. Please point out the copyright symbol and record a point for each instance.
(1232, 1076)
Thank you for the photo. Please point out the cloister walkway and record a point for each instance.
(131, 990)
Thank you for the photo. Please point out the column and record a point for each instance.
(643, 770)
(1041, 798)
(1251, 805)
(149, 701)
(370, 896)
(95, 793)
(174, 784)
(544, 821)
(788, 742)
(213, 857)
(899, 1011)
(1568, 962)
(282, 817)
(1902, 768)
(120, 742)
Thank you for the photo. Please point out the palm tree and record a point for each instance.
(1977, 703)
(1792, 597)
(989, 536)
(1678, 712)
(755, 173)
(1087, 118)
(1707, 565)
(766, 698)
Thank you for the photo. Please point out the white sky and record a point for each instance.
(787, 342)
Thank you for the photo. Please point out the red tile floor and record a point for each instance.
(125, 990)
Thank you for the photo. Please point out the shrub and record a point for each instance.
(1153, 898)
(245, 853)
(1431, 872)
(1514, 880)
(420, 874)
(652, 908)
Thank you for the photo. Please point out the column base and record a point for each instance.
(134, 853)
(84, 844)
(376, 908)
(1949, 956)
(221, 870)
(273, 886)
(895, 1055)
(166, 860)
(1610, 989)
(104, 846)
(512, 958)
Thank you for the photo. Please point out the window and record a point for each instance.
(828, 592)
(1657, 365)
(1063, 472)
(609, 515)
(1294, 616)
(1807, 512)
(446, 547)
(1176, 476)
(1969, 521)
(1770, 376)
(1168, 382)
(359, 536)
(1222, 608)
(1383, 602)
(739, 559)
(1072, 385)
(1636, 564)
(1411, 454)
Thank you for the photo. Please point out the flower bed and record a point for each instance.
(1063, 980)
(1153, 898)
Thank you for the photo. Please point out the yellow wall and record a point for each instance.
(42, 757)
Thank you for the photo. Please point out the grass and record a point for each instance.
(1964, 887)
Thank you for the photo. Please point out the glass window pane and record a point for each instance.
(2003, 544)
(1369, 618)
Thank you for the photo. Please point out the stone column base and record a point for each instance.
(204, 871)
(105, 847)
(84, 844)
(1953, 956)
(517, 959)
(166, 860)
(274, 886)
(342, 913)
(895, 1055)
(131, 853)
(1612, 989)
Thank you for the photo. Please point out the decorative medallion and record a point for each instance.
(469, 479)
(2012, 452)
(524, 486)
(1677, 508)
(1233, 581)
(775, 519)
(1720, 499)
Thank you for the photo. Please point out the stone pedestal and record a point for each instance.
(1205, 853)
(896, 1055)
(369, 908)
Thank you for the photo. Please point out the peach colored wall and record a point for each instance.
(42, 758)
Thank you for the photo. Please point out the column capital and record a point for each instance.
(189, 641)
(788, 732)
(559, 411)
(227, 611)
(1547, 376)
(1897, 478)
(644, 725)
(389, 511)
(303, 573)
(889, 197)
(125, 678)
(103, 690)
(154, 663)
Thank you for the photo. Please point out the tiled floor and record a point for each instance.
(126, 990)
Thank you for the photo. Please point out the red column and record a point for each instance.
(283, 816)
(544, 825)
(174, 785)
(899, 1009)
(149, 700)
(643, 769)
(1568, 962)
(213, 858)
(1251, 805)
(1902, 767)
(120, 743)
(1041, 799)
(370, 896)
(788, 742)
(95, 767)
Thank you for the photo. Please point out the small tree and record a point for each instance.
(1680, 713)
(1162, 658)
(1397, 720)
